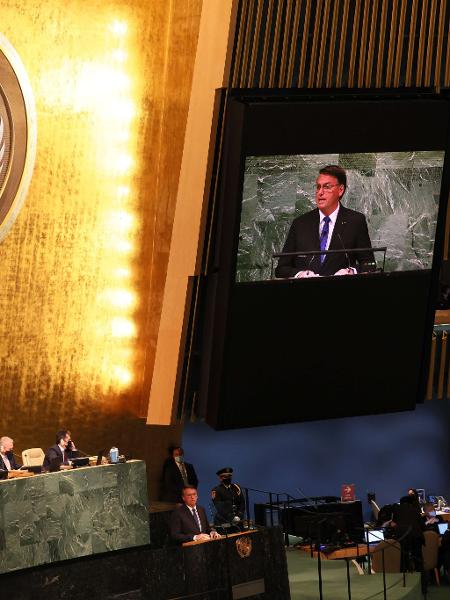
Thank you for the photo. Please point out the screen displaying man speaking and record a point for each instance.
(330, 226)
(392, 196)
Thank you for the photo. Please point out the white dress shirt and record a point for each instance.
(331, 224)
(6, 461)
(62, 450)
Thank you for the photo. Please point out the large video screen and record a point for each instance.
(340, 185)
(395, 196)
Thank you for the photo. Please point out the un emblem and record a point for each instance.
(244, 546)
(18, 133)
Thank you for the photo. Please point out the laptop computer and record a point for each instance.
(81, 461)
(442, 528)
(36, 469)
(374, 536)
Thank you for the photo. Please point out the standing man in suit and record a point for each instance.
(176, 475)
(7, 458)
(57, 456)
(188, 522)
(330, 226)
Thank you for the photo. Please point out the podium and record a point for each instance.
(229, 568)
(242, 565)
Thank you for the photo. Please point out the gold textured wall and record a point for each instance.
(82, 271)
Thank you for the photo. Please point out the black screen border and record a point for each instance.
(269, 124)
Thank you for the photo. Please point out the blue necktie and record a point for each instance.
(197, 518)
(324, 237)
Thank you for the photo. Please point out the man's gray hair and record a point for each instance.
(5, 439)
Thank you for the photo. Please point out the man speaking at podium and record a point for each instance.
(188, 522)
(330, 226)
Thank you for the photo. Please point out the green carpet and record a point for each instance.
(304, 582)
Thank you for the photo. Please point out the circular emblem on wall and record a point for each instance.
(18, 132)
(244, 546)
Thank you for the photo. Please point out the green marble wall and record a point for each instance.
(58, 516)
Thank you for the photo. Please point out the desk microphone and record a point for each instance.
(344, 248)
(82, 452)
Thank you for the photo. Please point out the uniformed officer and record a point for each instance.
(228, 499)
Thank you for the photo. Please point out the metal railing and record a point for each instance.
(279, 502)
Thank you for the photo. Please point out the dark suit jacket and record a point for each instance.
(183, 525)
(52, 453)
(172, 481)
(350, 231)
(12, 461)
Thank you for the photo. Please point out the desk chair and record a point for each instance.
(430, 553)
(392, 556)
(33, 457)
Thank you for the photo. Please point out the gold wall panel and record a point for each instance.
(82, 271)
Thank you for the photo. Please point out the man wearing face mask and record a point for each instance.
(177, 474)
(228, 499)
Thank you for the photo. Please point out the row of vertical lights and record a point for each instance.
(120, 221)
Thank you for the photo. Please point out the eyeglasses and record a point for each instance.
(326, 187)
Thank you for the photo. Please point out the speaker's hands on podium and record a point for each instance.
(214, 535)
(346, 271)
(201, 537)
(304, 274)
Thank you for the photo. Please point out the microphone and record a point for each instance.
(344, 248)
(82, 452)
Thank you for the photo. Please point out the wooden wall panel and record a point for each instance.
(210, 73)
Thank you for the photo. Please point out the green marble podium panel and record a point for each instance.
(59, 516)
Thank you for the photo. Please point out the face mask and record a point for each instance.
(432, 513)
(226, 480)
(179, 459)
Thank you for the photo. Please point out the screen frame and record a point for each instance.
(262, 124)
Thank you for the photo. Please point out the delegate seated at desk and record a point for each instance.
(188, 522)
(59, 454)
(330, 226)
(7, 459)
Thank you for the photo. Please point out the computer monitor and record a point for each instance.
(442, 528)
(373, 536)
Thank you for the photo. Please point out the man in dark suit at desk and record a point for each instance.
(7, 458)
(57, 456)
(330, 226)
(188, 522)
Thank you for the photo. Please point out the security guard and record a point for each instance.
(228, 499)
